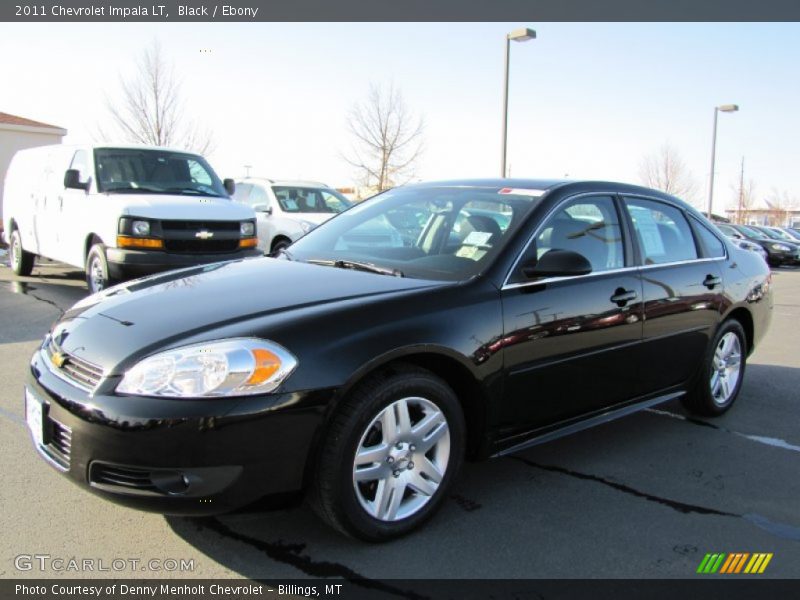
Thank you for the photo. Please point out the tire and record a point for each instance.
(280, 244)
(722, 373)
(97, 277)
(360, 498)
(21, 260)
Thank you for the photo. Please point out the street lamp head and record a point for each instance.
(522, 35)
(728, 107)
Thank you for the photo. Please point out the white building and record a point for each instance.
(18, 133)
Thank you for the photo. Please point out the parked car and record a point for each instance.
(287, 210)
(779, 252)
(118, 212)
(364, 376)
(741, 241)
(793, 233)
(776, 233)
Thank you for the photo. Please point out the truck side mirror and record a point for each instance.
(72, 180)
(230, 186)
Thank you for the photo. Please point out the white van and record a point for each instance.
(121, 211)
(287, 210)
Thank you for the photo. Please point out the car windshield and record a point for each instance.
(752, 232)
(781, 235)
(441, 233)
(295, 199)
(122, 170)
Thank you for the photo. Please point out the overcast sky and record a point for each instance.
(587, 100)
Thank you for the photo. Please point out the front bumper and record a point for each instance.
(183, 457)
(124, 263)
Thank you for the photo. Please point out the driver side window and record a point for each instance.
(589, 226)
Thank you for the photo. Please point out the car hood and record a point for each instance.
(184, 207)
(144, 315)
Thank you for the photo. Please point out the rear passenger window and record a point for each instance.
(712, 245)
(663, 232)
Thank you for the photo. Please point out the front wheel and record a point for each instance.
(722, 373)
(21, 261)
(392, 451)
(97, 277)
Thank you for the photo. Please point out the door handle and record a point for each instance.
(622, 296)
(711, 280)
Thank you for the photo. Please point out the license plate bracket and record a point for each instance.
(34, 417)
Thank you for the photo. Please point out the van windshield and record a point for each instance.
(121, 170)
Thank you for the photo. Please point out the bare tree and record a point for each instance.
(665, 170)
(387, 138)
(780, 204)
(149, 109)
(744, 199)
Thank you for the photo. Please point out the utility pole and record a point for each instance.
(740, 208)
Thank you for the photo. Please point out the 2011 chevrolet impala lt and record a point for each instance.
(432, 323)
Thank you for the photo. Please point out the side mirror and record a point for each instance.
(72, 180)
(230, 186)
(263, 208)
(557, 263)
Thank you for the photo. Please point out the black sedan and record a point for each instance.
(779, 252)
(519, 311)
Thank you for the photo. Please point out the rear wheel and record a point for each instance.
(21, 261)
(97, 277)
(391, 453)
(723, 371)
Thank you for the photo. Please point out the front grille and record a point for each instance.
(137, 481)
(201, 246)
(74, 369)
(214, 226)
(59, 446)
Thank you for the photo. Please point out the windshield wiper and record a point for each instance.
(124, 189)
(188, 190)
(356, 266)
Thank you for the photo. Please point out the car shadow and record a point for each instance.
(523, 497)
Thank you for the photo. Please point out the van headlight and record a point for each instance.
(235, 367)
(247, 229)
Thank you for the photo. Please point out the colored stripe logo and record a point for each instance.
(734, 563)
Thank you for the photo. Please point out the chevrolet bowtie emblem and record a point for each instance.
(204, 235)
(58, 359)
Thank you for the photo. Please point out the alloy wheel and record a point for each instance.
(401, 459)
(726, 368)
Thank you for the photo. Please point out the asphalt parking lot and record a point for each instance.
(646, 496)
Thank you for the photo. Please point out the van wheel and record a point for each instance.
(21, 261)
(391, 452)
(97, 278)
(280, 244)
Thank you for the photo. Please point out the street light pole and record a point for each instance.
(717, 109)
(518, 35)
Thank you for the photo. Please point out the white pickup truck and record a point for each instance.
(121, 211)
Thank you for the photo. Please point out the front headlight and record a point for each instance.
(247, 229)
(781, 247)
(307, 226)
(141, 228)
(235, 367)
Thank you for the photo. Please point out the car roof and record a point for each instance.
(286, 182)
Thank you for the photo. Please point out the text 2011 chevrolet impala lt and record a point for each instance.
(431, 323)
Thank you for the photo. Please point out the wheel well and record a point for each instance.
(91, 240)
(746, 320)
(458, 377)
(277, 239)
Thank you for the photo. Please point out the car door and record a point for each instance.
(265, 213)
(683, 292)
(571, 343)
(74, 213)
